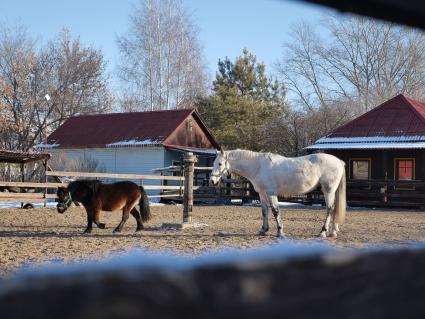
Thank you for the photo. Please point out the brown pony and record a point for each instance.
(96, 196)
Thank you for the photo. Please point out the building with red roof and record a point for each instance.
(136, 142)
(384, 152)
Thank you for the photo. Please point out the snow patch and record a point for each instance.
(45, 145)
(18, 204)
(395, 145)
(359, 139)
(167, 260)
(134, 143)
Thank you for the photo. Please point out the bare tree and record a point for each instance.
(352, 65)
(71, 76)
(162, 65)
(361, 60)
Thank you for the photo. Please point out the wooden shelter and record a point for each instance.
(20, 158)
(384, 152)
(23, 158)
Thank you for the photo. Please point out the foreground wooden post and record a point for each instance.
(189, 161)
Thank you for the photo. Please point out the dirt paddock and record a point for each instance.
(28, 237)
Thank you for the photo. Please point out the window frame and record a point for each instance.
(350, 168)
(396, 168)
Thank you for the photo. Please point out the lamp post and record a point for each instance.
(47, 98)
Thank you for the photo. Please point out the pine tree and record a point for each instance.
(244, 101)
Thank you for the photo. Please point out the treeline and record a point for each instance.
(42, 85)
(326, 75)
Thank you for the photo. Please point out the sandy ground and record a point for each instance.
(28, 237)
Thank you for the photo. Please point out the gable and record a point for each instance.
(191, 133)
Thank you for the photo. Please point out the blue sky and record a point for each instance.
(226, 26)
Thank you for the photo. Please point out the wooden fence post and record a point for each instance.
(189, 161)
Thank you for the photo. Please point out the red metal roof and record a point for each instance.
(102, 129)
(399, 116)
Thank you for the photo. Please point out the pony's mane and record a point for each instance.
(90, 183)
(246, 155)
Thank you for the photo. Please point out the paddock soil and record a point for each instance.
(31, 237)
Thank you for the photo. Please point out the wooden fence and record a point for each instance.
(370, 193)
(383, 193)
(40, 191)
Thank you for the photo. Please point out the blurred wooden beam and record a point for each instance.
(407, 12)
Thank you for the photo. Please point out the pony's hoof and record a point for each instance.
(262, 233)
(139, 229)
(280, 236)
(87, 231)
(102, 226)
(117, 230)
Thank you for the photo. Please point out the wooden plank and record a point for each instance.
(161, 187)
(110, 175)
(160, 196)
(34, 185)
(20, 195)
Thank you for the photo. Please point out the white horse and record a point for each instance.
(273, 175)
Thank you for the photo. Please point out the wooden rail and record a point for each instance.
(43, 195)
(110, 175)
(33, 185)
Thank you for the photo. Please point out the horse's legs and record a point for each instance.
(96, 219)
(265, 212)
(125, 214)
(330, 213)
(136, 214)
(90, 214)
(275, 210)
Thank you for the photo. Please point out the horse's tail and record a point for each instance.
(340, 198)
(145, 210)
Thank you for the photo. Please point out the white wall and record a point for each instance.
(122, 160)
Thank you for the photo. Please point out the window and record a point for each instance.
(405, 169)
(360, 169)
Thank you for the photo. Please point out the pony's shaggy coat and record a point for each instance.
(97, 196)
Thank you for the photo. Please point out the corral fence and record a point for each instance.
(41, 192)
(188, 184)
(376, 193)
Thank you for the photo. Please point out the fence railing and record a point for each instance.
(365, 192)
(35, 192)
(359, 192)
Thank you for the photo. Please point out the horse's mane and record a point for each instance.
(92, 184)
(239, 154)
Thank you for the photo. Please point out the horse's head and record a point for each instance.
(220, 167)
(64, 199)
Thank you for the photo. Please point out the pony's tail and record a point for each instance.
(340, 198)
(145, 210)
